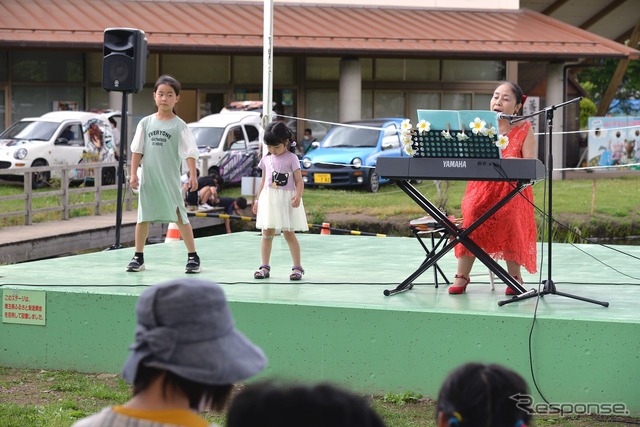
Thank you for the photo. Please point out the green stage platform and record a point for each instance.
(337, 325)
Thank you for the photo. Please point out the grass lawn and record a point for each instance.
(41, 398)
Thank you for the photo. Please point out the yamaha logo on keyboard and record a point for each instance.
(454, 163)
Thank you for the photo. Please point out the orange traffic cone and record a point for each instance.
(325, 228)
(173, 233)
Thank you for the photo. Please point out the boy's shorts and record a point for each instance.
(192, 198)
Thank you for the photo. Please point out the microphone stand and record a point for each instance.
(549, 286)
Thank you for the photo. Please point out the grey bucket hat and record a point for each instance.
(185, 327)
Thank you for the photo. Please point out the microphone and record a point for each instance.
(503, 116)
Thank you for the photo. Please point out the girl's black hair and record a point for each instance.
(277, 133)
(320, 405)
(166, 79)
(481, 395)
(215, 396)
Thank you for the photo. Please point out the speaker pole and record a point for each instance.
(121, 165)
(124, 62)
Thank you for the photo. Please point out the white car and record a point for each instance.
(230, 142)
(57, 138)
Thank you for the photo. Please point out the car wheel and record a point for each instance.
(373, 182)
(108, 176)
(40, 179)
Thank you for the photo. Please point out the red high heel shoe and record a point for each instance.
(457, 290)
(510, 291)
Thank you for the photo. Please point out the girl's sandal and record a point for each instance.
(262, 272)
(297, 272)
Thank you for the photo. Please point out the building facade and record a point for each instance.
(331, 62)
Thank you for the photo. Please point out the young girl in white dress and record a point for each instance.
(279, 205)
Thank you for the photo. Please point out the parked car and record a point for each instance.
(230, 142)
(318, 129)
(348, 154)
(57, 138)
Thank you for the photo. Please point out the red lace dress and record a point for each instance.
(509, 234)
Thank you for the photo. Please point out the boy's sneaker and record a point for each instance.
(193, 265)
(135, 265)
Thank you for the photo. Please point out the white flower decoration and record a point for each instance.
(490, 132)
(408, 148)
(424, 126)
(502, 141)
(406, 126)
(478, 126)
(445, 133)
(406, 139)
(461, 136)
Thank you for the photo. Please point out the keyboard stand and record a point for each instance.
(459, 235)
(434, 246)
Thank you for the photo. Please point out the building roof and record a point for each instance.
(331, 30)
(613, 19)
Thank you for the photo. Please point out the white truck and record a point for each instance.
(57, 138)
(229, 141)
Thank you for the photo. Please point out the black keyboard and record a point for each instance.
(460, 169)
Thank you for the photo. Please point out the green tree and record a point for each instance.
(596, 78)
(587, 109)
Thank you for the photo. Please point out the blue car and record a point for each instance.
(348, 154)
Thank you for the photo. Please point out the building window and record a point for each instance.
(4, 68)
(323, 69)
(388, 103)
(411, 70)
(2, 112)
(456, 101)
(366, 111)
(94, 68)
(323, 103)
(29, 101)
(196, 69)
(422, 101)
(47, 67)
(247, 70)
(482, 101)
(284, 71)
(468, 70)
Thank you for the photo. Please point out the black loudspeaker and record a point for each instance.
(124, 60)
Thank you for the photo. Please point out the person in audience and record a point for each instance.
(186, 356)
(267, 404)
(231, 206)
(509, 234)
(116, 135)
(208, 188)
(306, 143)
(483, 395)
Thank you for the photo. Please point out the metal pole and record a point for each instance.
(267, 64)
(121, 175)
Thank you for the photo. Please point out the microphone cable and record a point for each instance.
(545, 222)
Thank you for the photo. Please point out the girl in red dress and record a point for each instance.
(509, 234)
